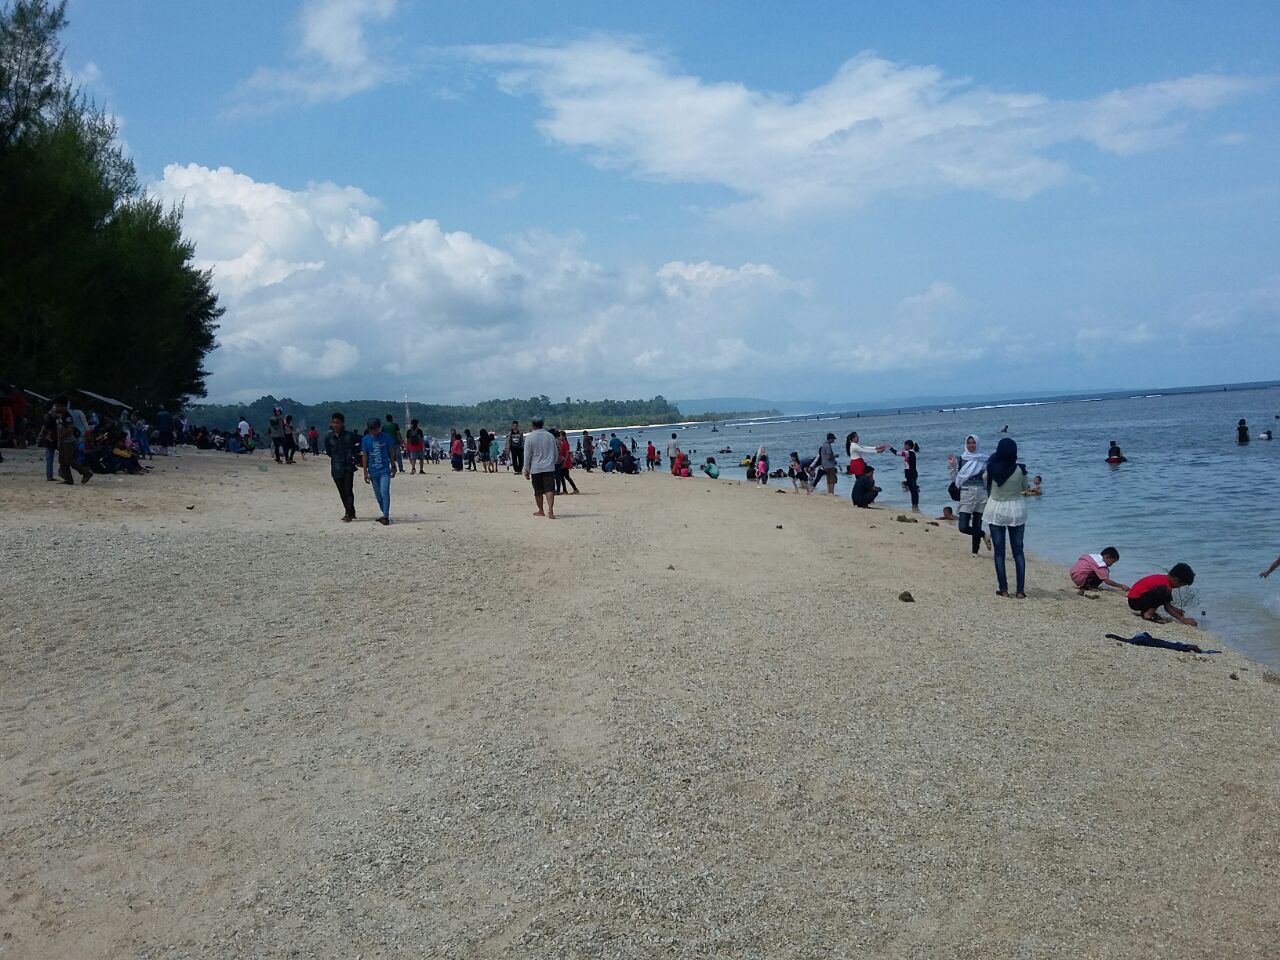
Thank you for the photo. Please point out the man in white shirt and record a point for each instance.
(673, 449)
(243, 428)
(540, 454)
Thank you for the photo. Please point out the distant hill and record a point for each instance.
(437, 419)
(694, 408)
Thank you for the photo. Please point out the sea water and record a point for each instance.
(1188, 493)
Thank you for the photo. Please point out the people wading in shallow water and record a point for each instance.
(967, 474)
(1006, 513)
(910, 476)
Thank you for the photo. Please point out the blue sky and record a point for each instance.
(468, 200)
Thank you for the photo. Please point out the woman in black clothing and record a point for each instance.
(910, 477)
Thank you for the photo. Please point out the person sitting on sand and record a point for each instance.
(865, 490)
(627, 461)
(711, 469)
(1149, 594)
(1092, 570)
(1034, 489)
(948, 515)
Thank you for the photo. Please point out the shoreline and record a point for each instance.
(679, 719)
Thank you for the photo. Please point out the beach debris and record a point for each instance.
(779, 526)
(932, 523)
(1234, 675)
(192, 507)
(906, 597)
(903, 518)
(670, 566)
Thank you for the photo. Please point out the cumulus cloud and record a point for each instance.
(323, 301)
(1257, 309)
(875, 126)
(336, 358)
(332, 59)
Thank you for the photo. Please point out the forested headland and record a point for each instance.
(438, 419)
(97, 285)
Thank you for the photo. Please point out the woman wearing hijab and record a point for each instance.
(1007, 512)
(966, 473)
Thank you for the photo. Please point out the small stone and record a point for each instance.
(903, 518)
(906, 597)
(670, 566)
(1234, 675)
(779, 526)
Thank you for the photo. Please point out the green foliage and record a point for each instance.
(732, 415)
(97, 287)
(437, 420)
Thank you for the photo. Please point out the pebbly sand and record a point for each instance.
(236, 728)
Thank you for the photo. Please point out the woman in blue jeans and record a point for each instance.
(1006, 513)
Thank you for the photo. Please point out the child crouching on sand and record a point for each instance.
(1092, 570)
(1150, 593)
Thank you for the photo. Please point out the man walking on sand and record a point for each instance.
(343, 448)
(540, 454)
(377, 456)
(66, 440)
(515, 447)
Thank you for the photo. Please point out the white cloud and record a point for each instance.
(337, 357)
(703, 279)
(323, 301)
(1257, 309)
(333, 58)
(874, 126)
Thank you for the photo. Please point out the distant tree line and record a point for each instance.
(438, 419)
(97, 287)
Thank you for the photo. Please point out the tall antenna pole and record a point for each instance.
(406, 408)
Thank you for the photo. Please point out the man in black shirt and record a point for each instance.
(515, 447)
(343, 447)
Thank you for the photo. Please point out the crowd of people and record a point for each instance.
(988, 489)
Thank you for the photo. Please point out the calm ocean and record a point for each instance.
(1188, 493)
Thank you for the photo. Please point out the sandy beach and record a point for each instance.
(687, 719)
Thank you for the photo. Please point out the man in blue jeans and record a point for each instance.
(378, 460)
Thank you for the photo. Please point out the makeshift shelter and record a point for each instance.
(107, 404)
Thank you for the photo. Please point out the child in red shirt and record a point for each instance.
(1150, 593)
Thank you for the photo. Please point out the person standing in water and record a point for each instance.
(1006, 513)
(910, 476)
(1242, 432)
(825, 463)
(967, 475)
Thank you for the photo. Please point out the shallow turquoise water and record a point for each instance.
(1188, 493)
